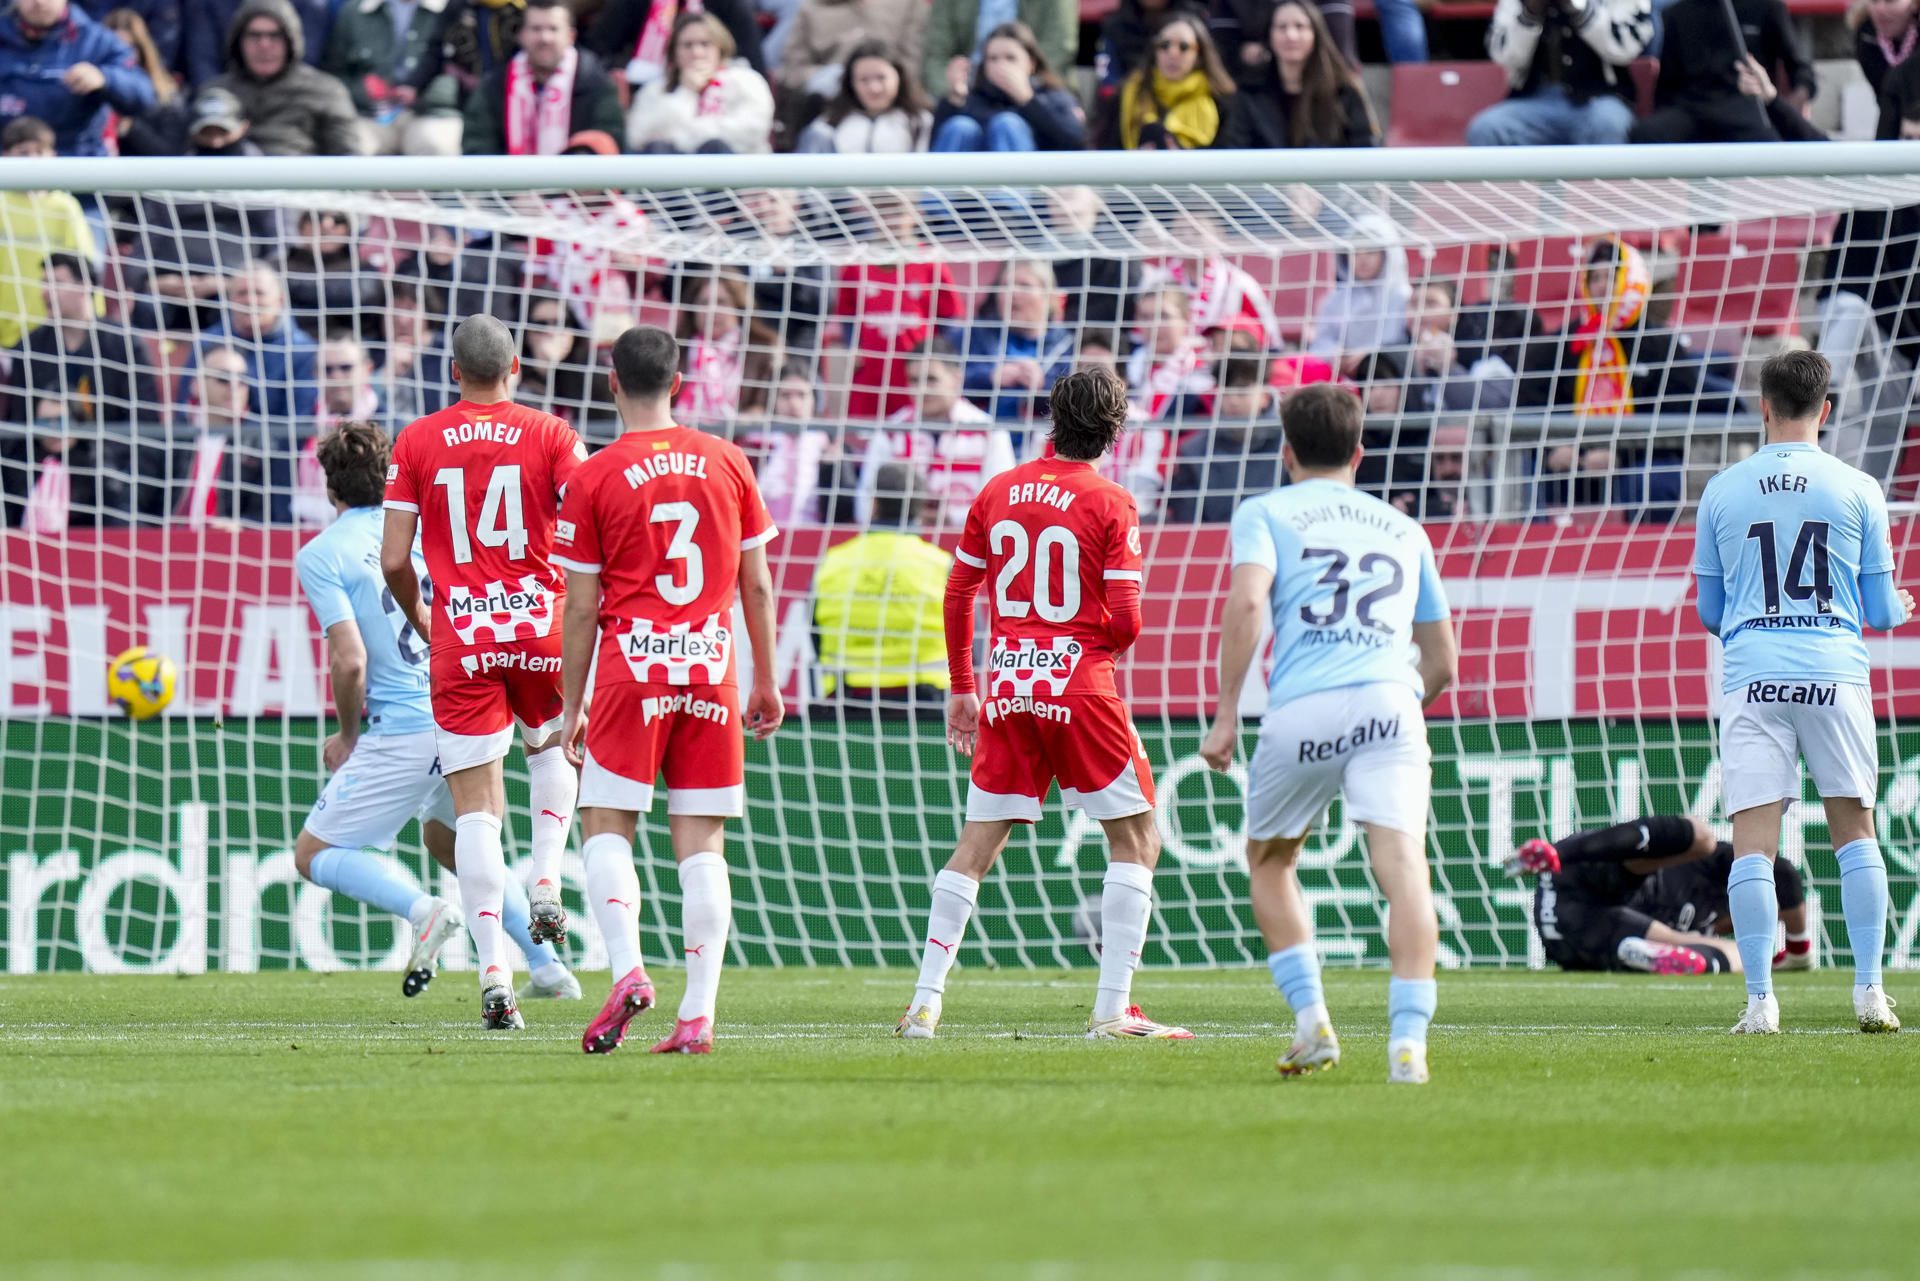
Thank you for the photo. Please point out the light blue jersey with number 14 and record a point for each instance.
(340, 572)
(1351, 576)
(1791, 530)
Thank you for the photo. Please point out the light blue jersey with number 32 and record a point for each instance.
(1351, 576)
(340, 572)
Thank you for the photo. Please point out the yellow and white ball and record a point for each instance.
(141, 682)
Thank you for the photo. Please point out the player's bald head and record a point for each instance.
(483, 349)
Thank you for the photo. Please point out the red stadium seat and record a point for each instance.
(1741, 281)
(1545, 276)
(1464, 266)
(1433, 101)
(1295, 284)
(1645, 71)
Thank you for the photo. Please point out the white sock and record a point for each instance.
(552, 788)
(613, 890)
(1126, 903)
(954, 894)
(482, 870)
(706, 910)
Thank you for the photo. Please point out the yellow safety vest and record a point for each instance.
(877, 608)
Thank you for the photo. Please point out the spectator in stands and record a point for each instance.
(1236, 457)
(280, 356)
(1309, 95)
(1175, 98)
(347, 389)
(1366, 310)
(723, 349)
(160, 20)
(1015, 351)
(1168, 371)
(828, 35)
(1788, 121)
(557, 368)
(245, 465)
(1013, 103)
(949, 439)
(1097, 289)
(391, 56)
(59, 66)
(707, 102)
(877, 600)
(1697, 97)
(78, 367)
(412, 377)
(792, 457)
(789, 297)
(879, 106)
(548, 92)
(291, 109)
(1496, 328)
(327, 285)
(957, 33)
(36, 223)
(217, 126)
(1437, 377)
(161, 131)
(206, 34)
(632, 38)
(1883, 44)
(1223, 297)
(1566, 63)
(1443, 493)
(893, 308)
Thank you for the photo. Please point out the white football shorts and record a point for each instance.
(1367, 743)
(1767, 727)
(388, 779)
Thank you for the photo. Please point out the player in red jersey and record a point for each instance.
(480, 482)
(656, 532)
(1061, 545)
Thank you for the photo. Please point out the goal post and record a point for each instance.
(1556, 348)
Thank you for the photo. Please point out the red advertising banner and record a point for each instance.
(1588, 619)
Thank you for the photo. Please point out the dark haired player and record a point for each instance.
(1648, 894)
(1061, 546)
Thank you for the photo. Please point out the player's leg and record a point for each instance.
(479, 861)
(553, 787)
(706, 912)
(1642, 845)
(1714, 955)
(956, 888)
(1843, 758)
(548, 979)
(1760, 773)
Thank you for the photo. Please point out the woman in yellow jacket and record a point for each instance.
(1177, 96)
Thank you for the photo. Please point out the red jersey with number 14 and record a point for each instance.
(486, 481)
(1050, 535)
(662, 516)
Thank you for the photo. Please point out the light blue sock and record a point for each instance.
(1863, 900)
(513, 907)
(1756, 907)
(1296, 972)
(1410, 1007)
(359, 875)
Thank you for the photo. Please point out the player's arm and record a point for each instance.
(1710, 591)
(347, 666)
(1121, 577)
(1239, 635)
(396, 566)
(579, 631)
(765, 710)
(1439, 657)
(964, 577)
(1883, 606)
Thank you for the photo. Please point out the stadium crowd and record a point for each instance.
(176, 360)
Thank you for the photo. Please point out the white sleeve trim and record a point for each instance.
(1131, 574)
(577, 566)
(965, 559)
(765, 536)
(397, 505)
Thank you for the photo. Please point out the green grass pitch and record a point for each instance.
(308, 1126)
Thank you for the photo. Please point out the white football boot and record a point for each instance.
(1874, 1008)
(567, 988)
(1407, 1063)
(546, 918)
(1762, 1017)
(918, 1024)
(433, 923)
(1134, 1026)
(1313, 1050)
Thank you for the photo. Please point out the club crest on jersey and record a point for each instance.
(1024, 668)
(500, 613)
(677, 654)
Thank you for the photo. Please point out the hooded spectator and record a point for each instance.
(1013, 103)
(1566, 63)
(60, 66)
(708, 101)
(1309, 95)
(1697, 97)
(391, 56)
(1176, 97)
(631, 37)
(206, 25)
(879, 107)
(548, 92)
(958, 31)
(291, 109)
(1366, 309)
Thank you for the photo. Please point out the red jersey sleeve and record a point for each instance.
(403, 491)
(972, 548)
(576, 534)
(756, 522)
(566, 451)
(1122, 539)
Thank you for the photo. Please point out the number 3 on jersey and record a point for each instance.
(1009, 539)
(502, 522)
(682, 547)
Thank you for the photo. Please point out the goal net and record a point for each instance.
(1551, 371)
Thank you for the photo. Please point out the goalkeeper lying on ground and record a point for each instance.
(1648, 894)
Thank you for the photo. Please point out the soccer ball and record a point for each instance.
(141, 681)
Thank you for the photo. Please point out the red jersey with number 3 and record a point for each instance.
(1051, 534)
(663, 516)
(486, 481)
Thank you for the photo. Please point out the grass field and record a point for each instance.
(311, 1125)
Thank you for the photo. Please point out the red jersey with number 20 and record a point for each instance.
(486, 480)
(1050, 535)
(662, 516)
